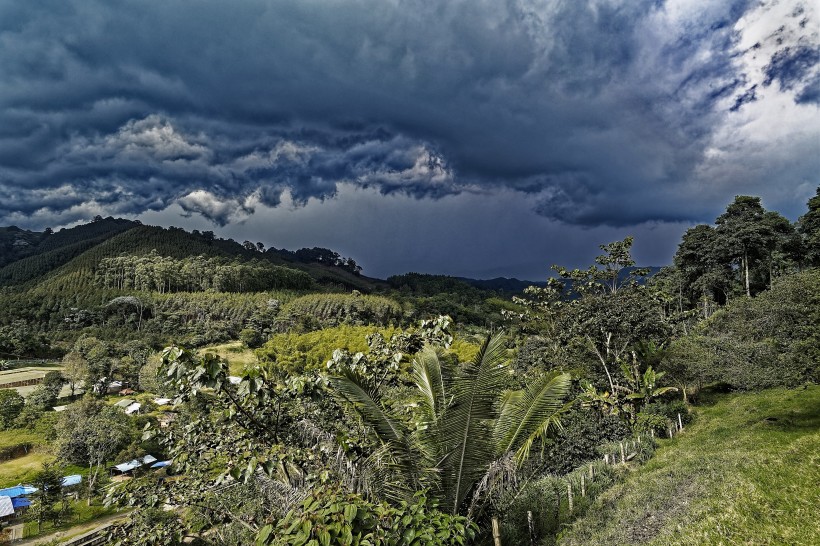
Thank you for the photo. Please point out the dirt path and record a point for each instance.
(66, 534)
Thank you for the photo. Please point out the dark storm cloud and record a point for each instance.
(603, 110)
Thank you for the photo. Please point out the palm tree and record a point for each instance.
(470, 433)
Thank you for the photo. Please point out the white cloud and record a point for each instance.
(222, 211)
(284, 151)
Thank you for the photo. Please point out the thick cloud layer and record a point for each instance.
(599, 112)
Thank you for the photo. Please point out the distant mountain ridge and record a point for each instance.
(516, 286)
(502, 284)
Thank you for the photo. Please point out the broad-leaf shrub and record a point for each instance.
(332, 516)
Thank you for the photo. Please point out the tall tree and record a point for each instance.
(11, 404)
(75, 370)
(48, 482)
(809, 228)
(99, 365)
(606, 309)
(787, 250)
(744, 235)
(46, 393)
(91, 433)
(697, 258)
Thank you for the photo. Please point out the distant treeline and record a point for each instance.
(164, 274)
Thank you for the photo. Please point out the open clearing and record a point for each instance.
(235, 352)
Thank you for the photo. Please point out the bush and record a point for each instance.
(11, 404)
(768, 341)
(300, 353)
(670, 410)
(583, 431)
(332, 516)
(546, 498)
(251, 338)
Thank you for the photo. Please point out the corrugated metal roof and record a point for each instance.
(74, 479)
(6, 507)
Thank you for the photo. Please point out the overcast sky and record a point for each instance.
(477, 138)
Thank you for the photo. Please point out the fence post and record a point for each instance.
(606, 459)
(623, 454)
(680, 423)
(569, 496)
(583, 488)
(591, 472)
(496, 532)
(531, 525)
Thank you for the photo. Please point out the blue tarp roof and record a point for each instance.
(17, 491)
(74, 479)
(160, 464)
(20, 502)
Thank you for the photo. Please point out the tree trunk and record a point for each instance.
(771, 274)
(746, 268)
(92, 477)
(496, 533)
(603, 360)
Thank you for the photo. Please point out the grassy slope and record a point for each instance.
(235, 352)
(22, 469)
(746, 472)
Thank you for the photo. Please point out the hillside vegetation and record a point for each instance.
(746, 472)
(312, 405)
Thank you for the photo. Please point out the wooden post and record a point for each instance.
(591, 471)
(531, 525)
(680, 423)
(583, 488)
(569, 496)
(669, 430)
(496, 533)
(623, 454)
(652, 432)
(606, 458)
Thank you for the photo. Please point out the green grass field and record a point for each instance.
(235, 352)
(21, 469)
(14, 437)
(747, 471)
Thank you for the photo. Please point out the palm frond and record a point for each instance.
(532, 414)
(430, 375)
(394, 438)
(350, 388)
(501, 476)
(465, 427)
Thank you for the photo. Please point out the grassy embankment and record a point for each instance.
(747, 471)
(20, 469)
